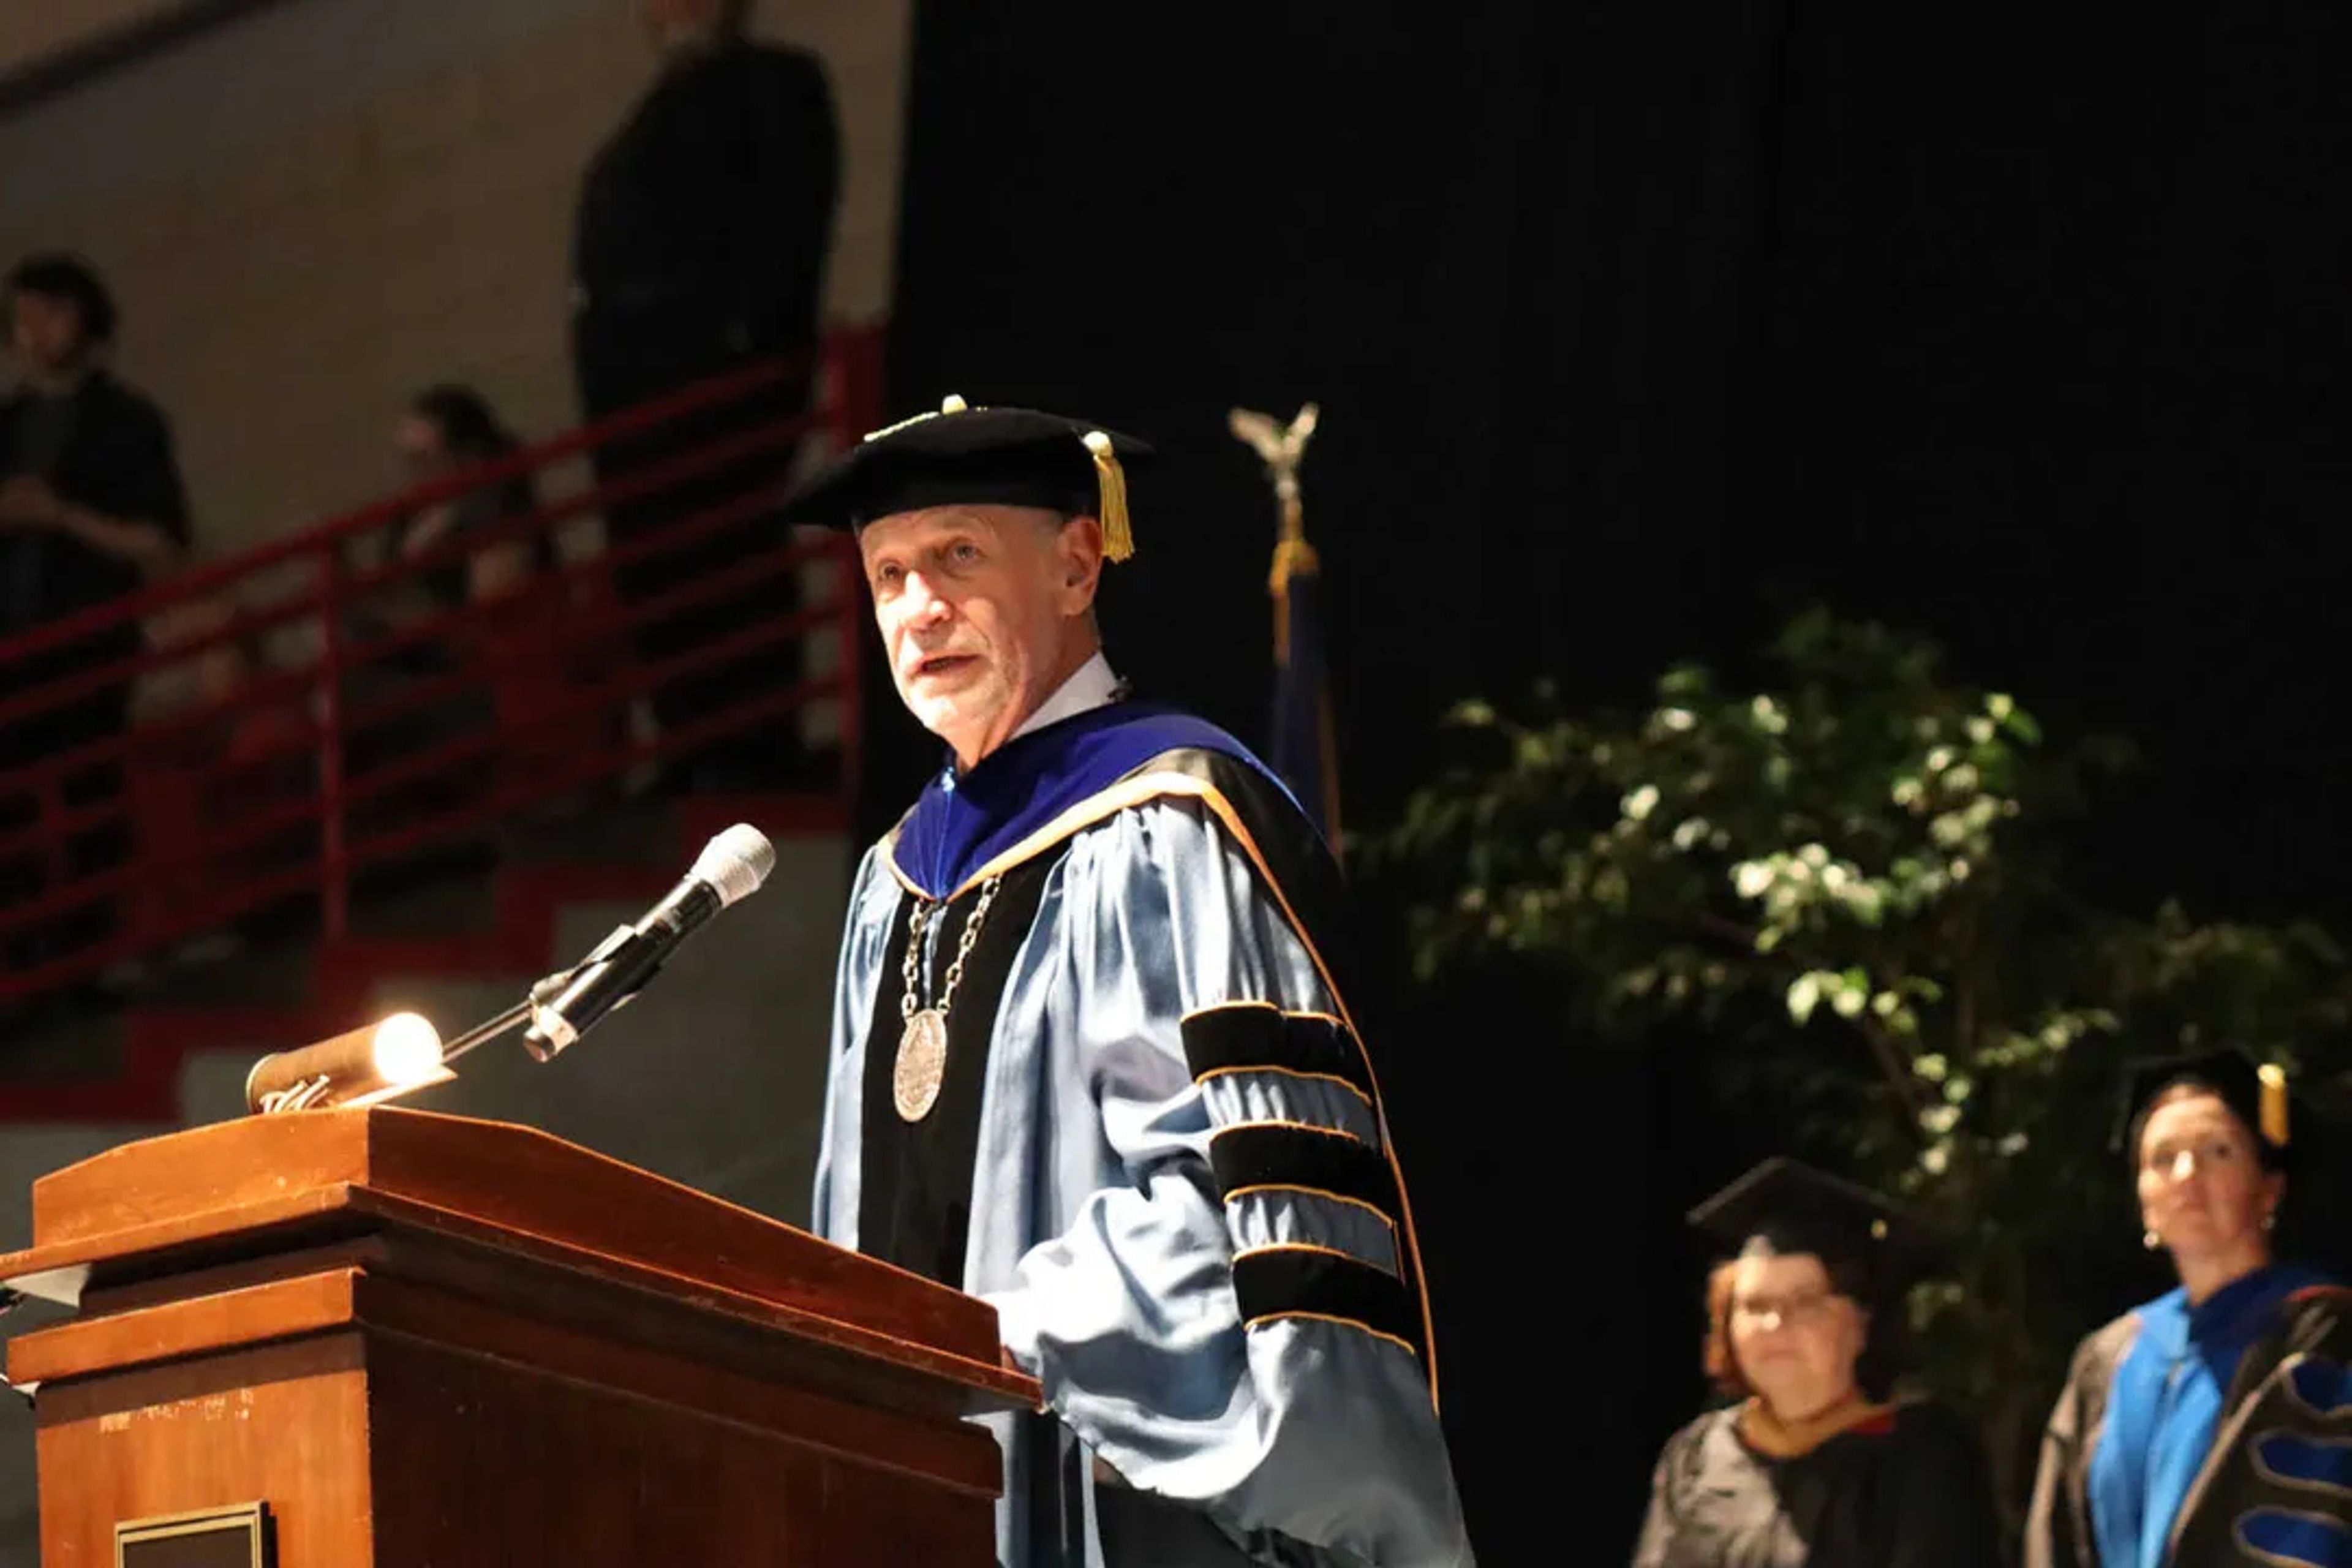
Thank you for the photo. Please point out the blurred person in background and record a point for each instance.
(1816, 1462)
(450, 609)
(2207, 1426)
(448, 428)
(215, 756)
(91, 509)
(699, 248)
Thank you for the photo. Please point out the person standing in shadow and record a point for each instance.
(91, 509)
(699, 248)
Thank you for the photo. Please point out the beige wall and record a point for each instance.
(317, 209)
(33, 30)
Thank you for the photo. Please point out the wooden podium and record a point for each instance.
(423, 1342)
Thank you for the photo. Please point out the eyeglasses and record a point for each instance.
(2220, 1149)
(1775, 1312)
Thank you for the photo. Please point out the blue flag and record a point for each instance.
(1304, 748)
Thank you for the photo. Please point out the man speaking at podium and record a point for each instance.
(1091, 1061)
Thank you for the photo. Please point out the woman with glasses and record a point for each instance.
(1809, 1466)
(2213, 1425)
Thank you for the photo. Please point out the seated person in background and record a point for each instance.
(214, 757)
(524, 645)
(166, 690)
(446, 429)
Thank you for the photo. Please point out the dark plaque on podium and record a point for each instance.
(216, 1538)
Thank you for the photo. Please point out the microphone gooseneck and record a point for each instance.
(568, 1004)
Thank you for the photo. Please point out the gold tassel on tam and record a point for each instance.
(1118, 533)
(2273, 1112)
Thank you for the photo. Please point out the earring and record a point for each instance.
(2270, 1220)
(2150, 1240)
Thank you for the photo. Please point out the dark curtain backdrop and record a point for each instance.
(1636, 327)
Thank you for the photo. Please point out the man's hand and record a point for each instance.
(27, 501)
(1006, 1358)
(26, 504)
(430, 528)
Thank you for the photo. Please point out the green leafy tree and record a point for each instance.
(1853, 882)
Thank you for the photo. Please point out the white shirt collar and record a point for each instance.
(1090, 685)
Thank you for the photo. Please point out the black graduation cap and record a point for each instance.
(962, 455)
(2256, 1092)
(1794, 1207)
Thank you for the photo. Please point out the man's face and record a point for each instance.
(665, 19)
(983, 611)
(44, 331)
(422, 450)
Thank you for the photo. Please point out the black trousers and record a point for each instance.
(1134, 1529)
(624, 358)
(1138, 1530)
(26, 873)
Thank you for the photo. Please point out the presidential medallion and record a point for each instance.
(922, 1063)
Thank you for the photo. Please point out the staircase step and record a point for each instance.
(497, 919)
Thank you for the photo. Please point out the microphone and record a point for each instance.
(567, 1004)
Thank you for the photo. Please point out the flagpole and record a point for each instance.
(1280, 448)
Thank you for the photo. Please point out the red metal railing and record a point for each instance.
(299, 776)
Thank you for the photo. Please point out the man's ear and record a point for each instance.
(1078, 563)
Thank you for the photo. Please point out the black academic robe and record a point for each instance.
(2276, 1487)
(1906, 1490)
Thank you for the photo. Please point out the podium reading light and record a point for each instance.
(405, 1052)
(374, 1062)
